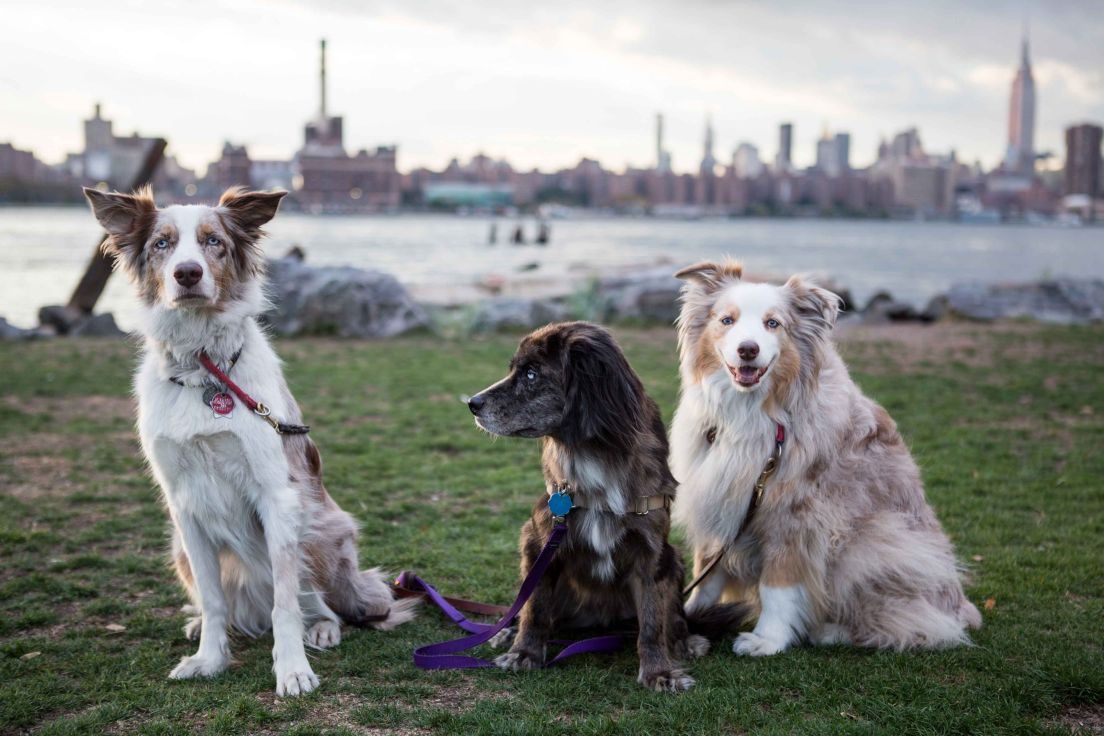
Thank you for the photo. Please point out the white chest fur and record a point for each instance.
(599, 490)
(721, 474)
(211, 467)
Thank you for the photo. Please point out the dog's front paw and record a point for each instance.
(755, 645)
(299, 681)
(193, 628)
(503, 638)
(517, 661)
(197, 666)
(324, 634)
(666, 681)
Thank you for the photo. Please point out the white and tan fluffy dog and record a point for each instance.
(257, 541)
(842, 547)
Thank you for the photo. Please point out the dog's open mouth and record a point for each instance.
(748, 375)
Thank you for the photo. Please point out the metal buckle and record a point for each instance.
(266, 414)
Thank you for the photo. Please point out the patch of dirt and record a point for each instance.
(460, 698)
(334, 711)
(900, 347)
(93, 408)
(53, 464)
(38, 476)
(1081, 719)
(134, 723)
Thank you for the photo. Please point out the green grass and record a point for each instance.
(1006, 423)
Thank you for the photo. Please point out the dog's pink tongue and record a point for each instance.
(749, 372)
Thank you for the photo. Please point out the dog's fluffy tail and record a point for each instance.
(718, 621)
(372, 599)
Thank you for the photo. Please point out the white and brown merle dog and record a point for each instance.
(604, 442)
(843, 547)
(257, 541)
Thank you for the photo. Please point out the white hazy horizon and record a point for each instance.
(544, 85)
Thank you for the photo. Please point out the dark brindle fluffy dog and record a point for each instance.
(605, 442)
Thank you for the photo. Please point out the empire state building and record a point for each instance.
(1021, 119)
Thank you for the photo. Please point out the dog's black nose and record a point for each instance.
(475, 403)
(188, 273)
(748, 350)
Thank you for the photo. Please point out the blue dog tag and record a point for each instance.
(560, 504)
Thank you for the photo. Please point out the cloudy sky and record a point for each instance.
(543, 84)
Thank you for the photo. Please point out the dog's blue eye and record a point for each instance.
(726, 320)
(161, 244)
(772, 324)
(213, 240)
(531, 374)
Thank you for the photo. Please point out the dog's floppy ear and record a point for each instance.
(604, 397)
(814, 306)
(711, 275)
(127, 219)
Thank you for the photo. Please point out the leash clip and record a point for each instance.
(266, 414)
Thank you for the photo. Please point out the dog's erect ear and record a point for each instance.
(119, 213)
(711, 275)
(813, 304)
(244, 213)
(605, 399)
(250, 210)
(127, 218)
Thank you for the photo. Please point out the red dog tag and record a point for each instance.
(222, 404)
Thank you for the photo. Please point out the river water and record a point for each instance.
(44, 250)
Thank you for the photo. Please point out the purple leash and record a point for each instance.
(446, 655)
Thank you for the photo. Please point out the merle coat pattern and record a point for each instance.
(257, 541)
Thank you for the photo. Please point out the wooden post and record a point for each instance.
(99, 268)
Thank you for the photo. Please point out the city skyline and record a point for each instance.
(691, 86)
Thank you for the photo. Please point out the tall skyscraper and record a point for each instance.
(825, 152)
(833, 153)
(1021, 118)
(709, 161)
(745, 161)
(843, 152)
(783, 161)
(1083, 161)
(663, 158)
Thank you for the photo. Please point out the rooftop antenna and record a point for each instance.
(1026, 35)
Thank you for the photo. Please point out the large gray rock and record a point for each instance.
(650, 295)
(504, 312)
(8, 331)
(1058, 301)
(59, 320)
(97, 325)
(343, 301)
(883, 308)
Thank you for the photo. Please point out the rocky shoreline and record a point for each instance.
(363, 303)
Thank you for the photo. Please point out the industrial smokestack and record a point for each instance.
(322, 80)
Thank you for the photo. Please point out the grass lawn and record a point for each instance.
(1007, 424)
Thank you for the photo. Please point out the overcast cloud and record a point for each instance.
(544, 84)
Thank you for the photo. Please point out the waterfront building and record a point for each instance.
(1083, 160)
(327, 179)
